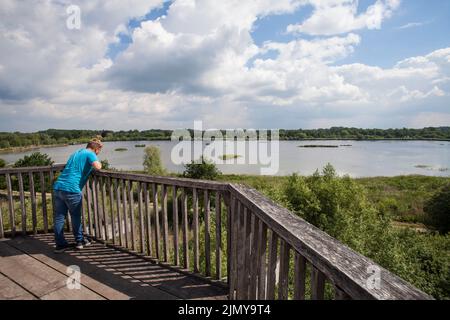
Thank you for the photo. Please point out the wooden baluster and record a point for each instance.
(2, 232)
(111, 209)
(149, 221)
(340, 294)
(156, 212)
(242, 212)
(218, 236)
(141, 219)
(165, 222)
(185, 229)
(52, 180)
(254, 259)
(229, 204)
(33, 202)
(83, 211)
(317, 284)
(44, 201)
(195, 229)
(88, 192)
(299, 277)
(272, 265)
(247, 252)
(95, 205)
(233, 253)
(105, 210)
(175, 226)
(283, 284)
(119, 218)
(262, 271)
(132, 224)
(124, 210)
(207, 234)
(22, 205)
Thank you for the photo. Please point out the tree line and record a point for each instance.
(57, 136)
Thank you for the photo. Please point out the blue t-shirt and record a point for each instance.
(76, 172)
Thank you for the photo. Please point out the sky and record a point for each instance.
(143, 64)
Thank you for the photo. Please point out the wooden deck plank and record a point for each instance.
(10, 290)
(115, 274)
(36, 277)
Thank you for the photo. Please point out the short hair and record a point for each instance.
(95, 143)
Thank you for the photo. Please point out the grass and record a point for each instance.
(229, 156)
(139, 145)
(318, 146)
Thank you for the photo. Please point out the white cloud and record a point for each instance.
(331, 17)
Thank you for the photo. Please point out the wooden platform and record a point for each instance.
(30, 270)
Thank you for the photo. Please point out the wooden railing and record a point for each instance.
(228, 234)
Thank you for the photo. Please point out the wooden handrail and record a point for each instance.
(114, 214)
(342, 265)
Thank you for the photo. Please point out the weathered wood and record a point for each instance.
(33, 202)
(52, 177)
(240, 294)
(228, 203)
(90, 230)
(148, 220)
(12, 218)
(132, 223)
(195, 229)
(185, 229)
(247, 252)
(111, 210)
(44, 201)
(232, 273)
(55, 167)
(141, 219)
(95, 205)
(105, 210)
(179, 182)
(317, 284)
(206, 216)
(338, 262)
(262, 255)
(218, 236)
(2, 232)
(299, 276)
(83, 211)
(176, 255)
(272, 265)
(254, 259)
(157, 225)
(124, 211)
(165, 222)
(284, 270)
(119, 219)
(22, 204)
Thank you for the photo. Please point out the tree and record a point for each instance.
(36, 159)
(202, 169)
(152, 161)
(438, 209)
(2, 163)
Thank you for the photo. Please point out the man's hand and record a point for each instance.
(97, 165)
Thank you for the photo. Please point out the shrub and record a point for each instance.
(36, 159)
(201, 169)
(152, 161)
(2, 163)
(438, 210)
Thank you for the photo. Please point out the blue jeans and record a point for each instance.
(63, 202)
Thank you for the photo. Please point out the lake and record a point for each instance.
(355, 158)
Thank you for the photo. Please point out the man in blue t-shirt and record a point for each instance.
(68, 196)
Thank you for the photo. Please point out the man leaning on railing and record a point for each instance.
(67, 192)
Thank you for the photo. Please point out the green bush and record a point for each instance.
(36, 159)
(152, 161)
(2, 163)
(438, 210)
(202, 169)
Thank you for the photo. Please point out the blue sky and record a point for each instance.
(259, 63)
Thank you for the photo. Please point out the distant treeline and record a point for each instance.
(56, 136)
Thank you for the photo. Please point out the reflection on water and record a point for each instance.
(356, 158)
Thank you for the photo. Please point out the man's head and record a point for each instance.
(95, 145)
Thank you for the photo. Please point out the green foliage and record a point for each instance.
(106, 165)
(2, 163)
(36, 159)
(152, 161)
(201, 169)
(438, 209)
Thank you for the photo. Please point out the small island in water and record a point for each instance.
(121, 149)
